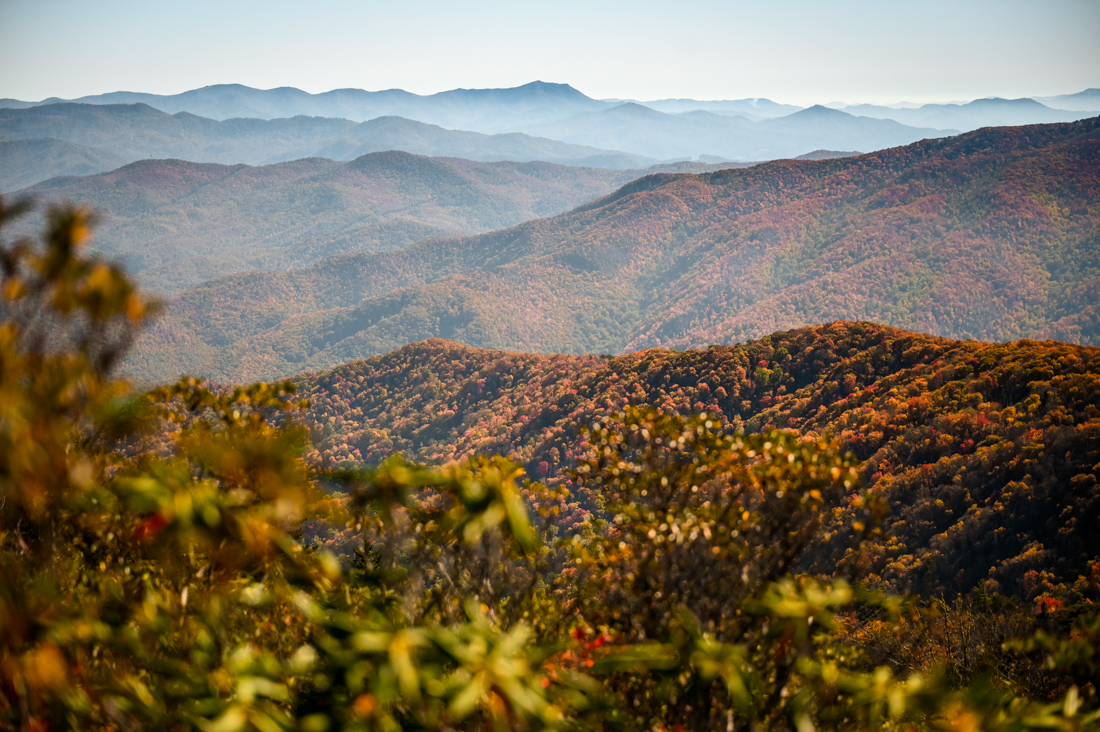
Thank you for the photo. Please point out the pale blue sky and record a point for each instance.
(796, 51)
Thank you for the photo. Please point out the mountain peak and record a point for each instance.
(238, 87)
(547, 85)
(540, 91)
(563, 92)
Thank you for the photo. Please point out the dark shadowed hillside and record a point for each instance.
(992, 235)
(988, 455)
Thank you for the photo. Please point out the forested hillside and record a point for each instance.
(987, 455)
(176, 224)
(992, 235)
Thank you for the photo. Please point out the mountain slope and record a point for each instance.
(176, 224)
(993, 235)
(137, 131)
(987, 455)
(645, 131)
(26, 162)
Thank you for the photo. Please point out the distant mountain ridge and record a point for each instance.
(1083, 101)
(992, 235)
(137, 131)
(523, 108)
(992, 112)
(753, 109)
(130, 132)
(637, 128)
(480, 110)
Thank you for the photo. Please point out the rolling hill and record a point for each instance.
(987, 455)
(176, 224)
(993, 234)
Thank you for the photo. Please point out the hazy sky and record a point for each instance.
(796, 51)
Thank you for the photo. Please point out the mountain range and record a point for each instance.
(524, 108)
(644, 131)
(481, 110)
(551, 123)
(133, 132)
(753, 109)
(992, 235)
